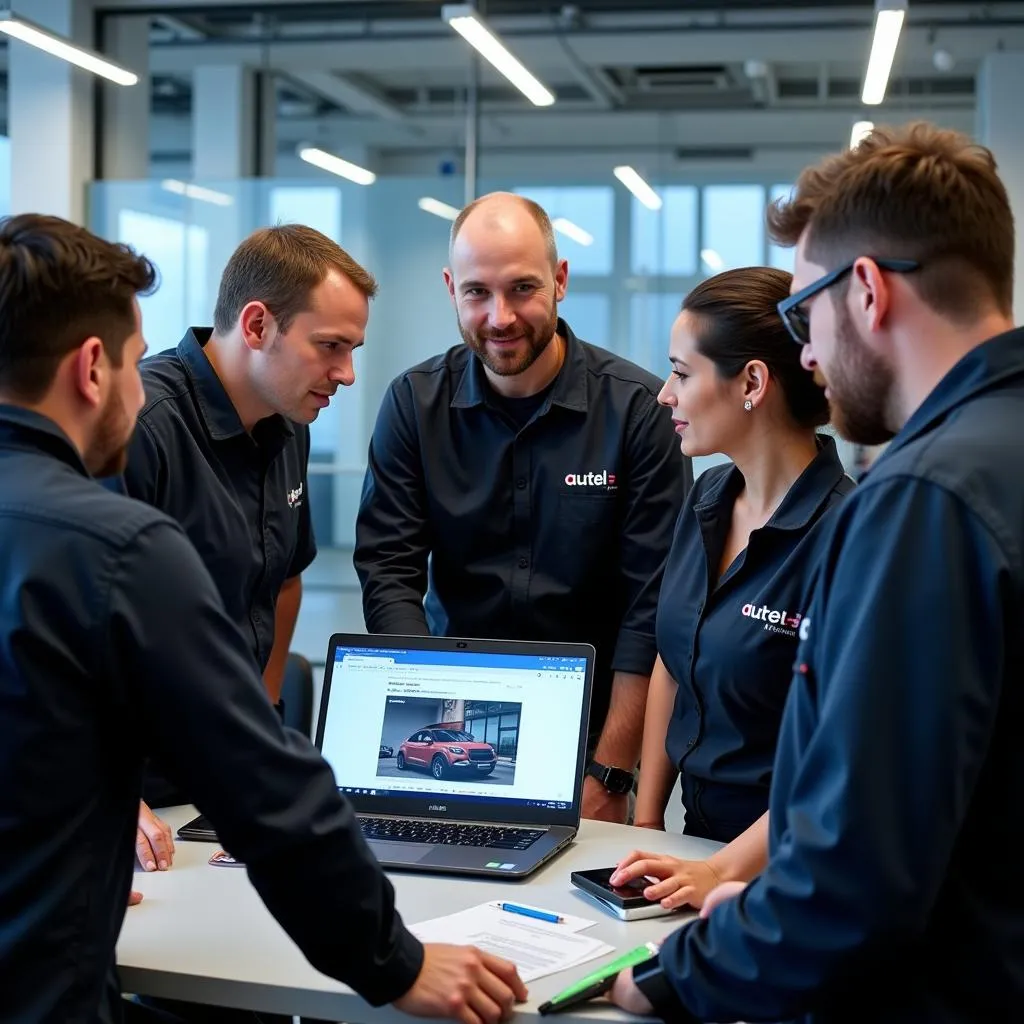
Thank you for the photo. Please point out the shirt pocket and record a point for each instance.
(589, 510)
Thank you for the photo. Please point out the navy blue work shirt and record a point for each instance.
(242, 498)
(552, 529)
(729, 642)
(893, 890)
(114, 642)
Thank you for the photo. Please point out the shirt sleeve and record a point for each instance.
(658, 478)
(145, 476)
(886, 731)
(392, 528)
(305, 547)
(271, 797)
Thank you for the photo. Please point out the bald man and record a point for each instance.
(526, 485)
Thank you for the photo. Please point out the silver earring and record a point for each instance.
(748, 405)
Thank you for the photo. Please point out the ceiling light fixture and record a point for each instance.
(566, 227)
(712, 260)
(465, 20)
(889, 16)
(35, 35)
(336, 165)
(629, 177)
(860, 130)
(437, 208)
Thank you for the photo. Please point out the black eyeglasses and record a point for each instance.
(798, 320)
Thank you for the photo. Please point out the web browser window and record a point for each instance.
(476, 725)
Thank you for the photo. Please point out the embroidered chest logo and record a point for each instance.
(603, 479)
(775, 620)
(295, 497)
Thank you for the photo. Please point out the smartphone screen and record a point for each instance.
(629, 895)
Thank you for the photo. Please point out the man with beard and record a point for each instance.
(222, 444)
(538, 478)
(114, 642)
(892, 891)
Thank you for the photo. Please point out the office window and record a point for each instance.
(780, 256)
(317, 206)
(180, 253)
(588, 207)
(587, 313)
(665, 241)
(733, 227)
(651, 316)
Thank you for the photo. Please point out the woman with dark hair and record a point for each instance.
(736, 578)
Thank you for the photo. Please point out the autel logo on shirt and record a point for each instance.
(775, 621)
(295, 497)
(602, 479)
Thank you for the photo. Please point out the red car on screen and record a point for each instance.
(447, 754)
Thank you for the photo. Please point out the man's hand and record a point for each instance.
(134, 898)
(461, 983)
(600, 805)
(154, 844)
(628, 997)
(683, 883)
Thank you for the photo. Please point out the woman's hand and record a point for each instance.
(678, 883)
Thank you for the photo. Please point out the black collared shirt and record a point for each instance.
(729, 642)
(114, 640)
(892, 891)
(556, 530)
(242, 498)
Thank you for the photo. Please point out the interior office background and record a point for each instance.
(717, 104)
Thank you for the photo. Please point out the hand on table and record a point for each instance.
(154, 843)
(681, 883)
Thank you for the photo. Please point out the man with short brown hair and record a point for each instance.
(892, 889)
(222, 444)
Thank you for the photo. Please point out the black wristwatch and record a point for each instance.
(649, 977)
(615, 780)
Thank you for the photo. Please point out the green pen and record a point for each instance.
(597, 982)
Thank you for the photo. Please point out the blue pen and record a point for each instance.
(541, 915)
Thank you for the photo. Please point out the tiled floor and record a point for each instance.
(331, 604)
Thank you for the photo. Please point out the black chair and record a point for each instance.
(297, 694)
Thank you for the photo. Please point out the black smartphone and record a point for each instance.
(627, 902)
(198, 830)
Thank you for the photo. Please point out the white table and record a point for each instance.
(202, 933)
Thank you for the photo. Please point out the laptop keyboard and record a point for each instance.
(449, 833)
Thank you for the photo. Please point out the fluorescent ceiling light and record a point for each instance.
(204, 195)
(21, 28)
(889, 15)
(638, 187)
(712, 260)
(343, 168)
(860, 130)
(573, 231)
(464, 19)
(437, 208)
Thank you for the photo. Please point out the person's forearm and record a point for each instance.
(286, 612)
(657, 772)
(745, 857)
(619, 744)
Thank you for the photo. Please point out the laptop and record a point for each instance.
(459, 756)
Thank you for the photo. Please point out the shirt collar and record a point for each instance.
(25, 429)
(997, 360)
(803, 500)
(215, 406)
(568, 390)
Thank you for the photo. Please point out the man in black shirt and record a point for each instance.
(222, 443)
(538, 477)
(114, 642)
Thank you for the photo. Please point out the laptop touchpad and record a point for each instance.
(400, 853)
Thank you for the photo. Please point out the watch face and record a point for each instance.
(619, 780)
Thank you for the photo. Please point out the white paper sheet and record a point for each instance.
(537, 948)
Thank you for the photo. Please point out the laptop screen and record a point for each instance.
(455, 727)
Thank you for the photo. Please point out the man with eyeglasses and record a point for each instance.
(892, 889)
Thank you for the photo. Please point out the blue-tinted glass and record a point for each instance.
(651, 316)
(317, 206)
(781, 256)
(587, 314)
(665, 241)
(733, 227)
(588, 207)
